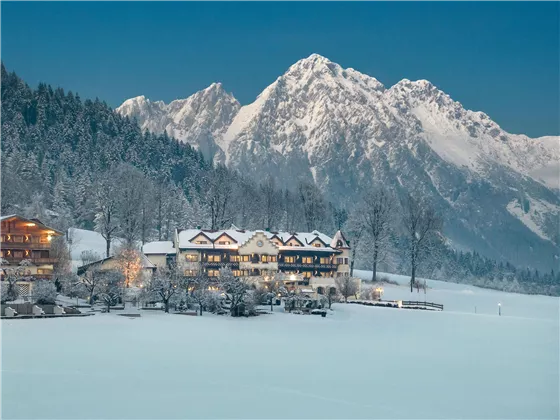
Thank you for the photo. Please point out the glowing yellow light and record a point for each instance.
(30, 224)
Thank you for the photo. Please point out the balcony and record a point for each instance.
(212, 264)
(33, 277)
(35, 261)
(25, 245)
(308, 266)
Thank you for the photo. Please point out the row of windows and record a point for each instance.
(265, 258)
(219, 242)
(23, 253)
(232, 258)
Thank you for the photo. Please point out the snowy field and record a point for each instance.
(359, 362)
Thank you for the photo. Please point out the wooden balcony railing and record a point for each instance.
(311, 266)
(16, 260)
(25, 245)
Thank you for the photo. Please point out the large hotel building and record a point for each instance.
(302, 257)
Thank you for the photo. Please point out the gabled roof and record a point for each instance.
(225, 234)
(146, 263)
(201, 233)
(159, 247)
(339, 237)
(294, 237)
(185, 239)
(36, 221)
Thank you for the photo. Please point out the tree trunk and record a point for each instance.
(108, 246)
(166, 303)
(375, 257)
(91, 298)
(108, 307)
(200, 308)
(412, 278)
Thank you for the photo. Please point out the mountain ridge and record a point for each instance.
(344, 130)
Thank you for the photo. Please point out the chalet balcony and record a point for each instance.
(33, 277)
(218, 265)
(308, 266)
(25, 245)
(36, 261)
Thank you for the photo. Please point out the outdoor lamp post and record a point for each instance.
(499, 309)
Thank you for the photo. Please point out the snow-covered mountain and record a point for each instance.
(345, 130)
(199, 120)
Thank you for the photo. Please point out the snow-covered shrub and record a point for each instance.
(44, 292)
(213, 302)
(4, 296)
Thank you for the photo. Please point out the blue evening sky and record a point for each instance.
(500, 58)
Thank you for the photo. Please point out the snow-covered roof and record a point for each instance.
(159, 247)
(36, 221)
(186, 239)
(338, 236)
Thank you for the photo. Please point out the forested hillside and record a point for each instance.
(73, 162)
(57, 150)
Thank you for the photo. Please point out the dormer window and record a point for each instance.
(202, 242)
(317, 245)
(224, 243)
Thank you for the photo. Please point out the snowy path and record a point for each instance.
(359, 362)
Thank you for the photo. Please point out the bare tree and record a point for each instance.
(422, 226)
(354, 233)
(235, 289)
(347, 286)
(91, 281)
(328, 296)
(130, 199)
(165, 285)
(270, 203)
(110, 288)
(105, 199)
(219, 198)
(313, 204)
(89, 256)
(200, 292)
(376, 218)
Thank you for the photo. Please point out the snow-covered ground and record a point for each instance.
(359, 362)
(464, 298)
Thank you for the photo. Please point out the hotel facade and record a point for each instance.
(303, 258)
(26, 239)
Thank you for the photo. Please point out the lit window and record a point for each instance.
(190, 273)
(324, 260)
(191, 257)
(306, 260)
(317, 245)
(290, 259)
(234, 258)
(272, 258)
(202, 242)
(224, 242)
(245, 258)
(264, 258)
(214, 258)
(307, 274)
(213, 273)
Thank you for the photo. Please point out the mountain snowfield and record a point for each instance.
(345, 130)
